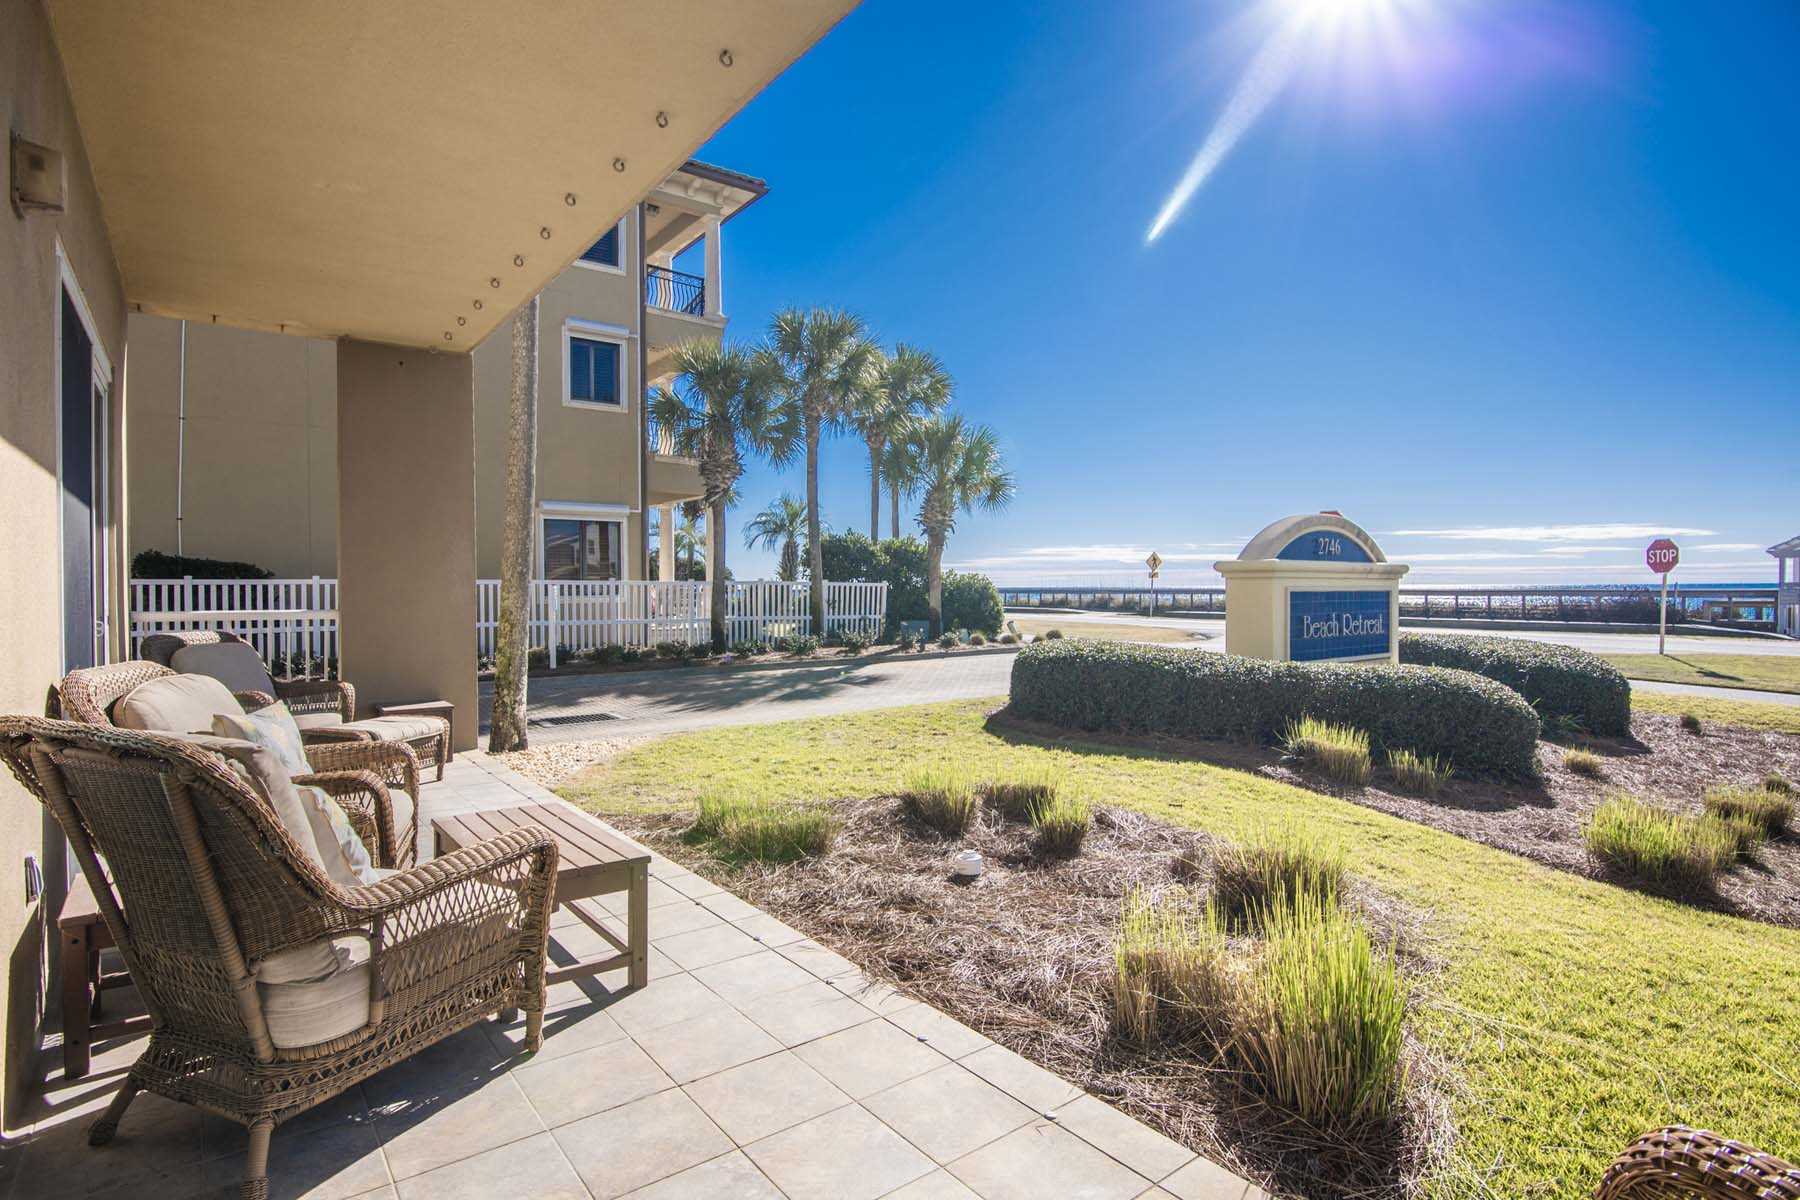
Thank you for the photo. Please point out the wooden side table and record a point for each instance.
(84, 936)
(593, 861)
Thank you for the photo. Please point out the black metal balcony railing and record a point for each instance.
(676, 291)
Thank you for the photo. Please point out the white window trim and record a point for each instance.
(618, 229)
(582, 510)
(597, 331)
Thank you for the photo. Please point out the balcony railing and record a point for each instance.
(676, 291)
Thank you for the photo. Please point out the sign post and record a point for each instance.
(1154, 562)
(1661, 556)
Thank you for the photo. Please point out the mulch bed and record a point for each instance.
(1025, 955)
(1543, 820)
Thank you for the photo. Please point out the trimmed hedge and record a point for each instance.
(154, 564)
(1559, 681)
(1482, 726)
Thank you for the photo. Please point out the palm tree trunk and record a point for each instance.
(789, 570)
(894, 498)
(874, 489)
(715, 571)
(512, 638)
(815, 550)
(934, 579)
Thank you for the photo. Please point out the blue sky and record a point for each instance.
(1516, 285)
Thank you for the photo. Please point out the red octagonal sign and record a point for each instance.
(1662, 555)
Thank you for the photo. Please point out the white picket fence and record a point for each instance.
(294, 621)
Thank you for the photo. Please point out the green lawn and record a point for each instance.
(1113, 631)
(1763, 672)
(1577, 1015)
(1783, 718)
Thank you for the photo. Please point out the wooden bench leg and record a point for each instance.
(76, 1000)
(638, 908)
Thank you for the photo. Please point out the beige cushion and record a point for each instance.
(317, 720)
(175, 704)
(304, 1007)
(347, 860)
(235, 664)
(399, 729)
(272, 727)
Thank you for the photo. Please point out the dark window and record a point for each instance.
(593, 371)
(582, 550)
(605, 251)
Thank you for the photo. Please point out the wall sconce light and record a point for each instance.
(36, 174)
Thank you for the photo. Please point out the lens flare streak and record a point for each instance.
(1268, 73)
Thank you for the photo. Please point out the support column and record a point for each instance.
(715, 279)
(406, 528)
(665, 542)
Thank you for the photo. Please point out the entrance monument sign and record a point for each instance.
(1313, 588)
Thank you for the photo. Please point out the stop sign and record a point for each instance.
(1662, 555)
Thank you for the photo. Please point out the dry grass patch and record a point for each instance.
(1275, 867)
(1584, 763)
(1338, 750)
(1420, 774)
(1767, 810)
(1653, 845)
(943, 798)
(1062, 823)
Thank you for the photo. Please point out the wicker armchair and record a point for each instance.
(357, 774)
(305, 698)
(205, 884)
(1683, 1162)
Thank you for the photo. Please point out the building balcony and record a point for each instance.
(675, 291)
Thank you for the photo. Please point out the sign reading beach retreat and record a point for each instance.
(1312, 588)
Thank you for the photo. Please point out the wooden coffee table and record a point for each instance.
(593, 861)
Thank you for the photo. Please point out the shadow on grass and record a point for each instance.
(1708, 672)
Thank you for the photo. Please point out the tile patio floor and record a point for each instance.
(756, 1065)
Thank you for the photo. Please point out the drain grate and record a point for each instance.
(585, 718)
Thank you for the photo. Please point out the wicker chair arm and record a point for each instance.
(364, 799)
(481, 910)
(318, 695)
(253, 700)
(394, 762)
(1679, 1161)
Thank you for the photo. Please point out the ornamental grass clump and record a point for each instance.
(1690, 723)
(1584, 763)
(1650, 843)
(1769, 811)
(1338, 750)
(1774, 781)
(1014, 798)
(1062, 823)
(1420, 774)
(1172, 977)
(945, 798)
(715, 809)
(1319, 1024)
(778, 831)
(1275, 867)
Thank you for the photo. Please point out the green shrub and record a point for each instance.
(1767, 810)
(776, 831)
(800, 645)
(1482, 726)
(154, 564)
(537, 658)
(1272, 868)
(972, 602)
(854, 643)
(1690, 722)
(1420, 774)
(1062, 823)
(1338, 750)
(1050, 635)
(1171, 977)
(1319, 1024)
(1008, 639)
(945, 798)
(1013, 798)
(978, 639)
(1585, 763)
(948, 641)
(747, 649)
(1774, 781)
(609, 654)
(1559, 681)
(632, 654)
(1649, 843)
(670, 650)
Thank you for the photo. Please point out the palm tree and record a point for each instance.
(827, 362)
(959, 470)
(781, 524)
(729, 405)
(900, 471)
(512, 636)
(908, 384)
